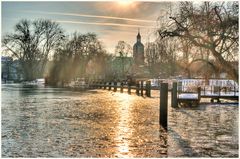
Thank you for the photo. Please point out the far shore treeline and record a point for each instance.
(195, 41)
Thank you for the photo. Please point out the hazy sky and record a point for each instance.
(111, 21)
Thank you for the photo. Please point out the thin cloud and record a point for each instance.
(92, 16)
(103, 24)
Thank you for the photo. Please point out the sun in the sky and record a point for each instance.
(125, 2)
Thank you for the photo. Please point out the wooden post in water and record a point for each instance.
(93, 84)
(137, 87)
(163, 114)
(219, 90)
(148, 88)
(121, 89)
(115, 86)
(141, 88)
(105, 83)
(109, 86)
(199, 93)
(129, 88)
(174, 95)
(100, 84)
(234, 89)
(204, 90)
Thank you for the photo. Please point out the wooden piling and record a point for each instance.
(219, 90)
(121, 89)
(115, 86)
(109, 86)
(137, 87)
(148, 88)
(129, 88)
(174, 95)
(163, 114)
(141, 88)
(105, 83)
(199, 93)
(234, 89)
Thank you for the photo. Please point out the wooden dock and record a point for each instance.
(144, 87)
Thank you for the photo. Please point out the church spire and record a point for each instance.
(138, 36)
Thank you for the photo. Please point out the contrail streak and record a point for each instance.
(93, 16)
(103, 24)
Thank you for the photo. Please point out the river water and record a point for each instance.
(55, 122)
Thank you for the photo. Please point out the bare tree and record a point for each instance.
(161, 57)
(123, 50)
(212, 26)
(31, 43)
(71, 60)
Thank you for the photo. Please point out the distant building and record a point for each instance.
(138, 51)
(10, 69)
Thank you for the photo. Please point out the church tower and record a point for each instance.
(138, 51)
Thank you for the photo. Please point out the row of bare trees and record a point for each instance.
(38, 43)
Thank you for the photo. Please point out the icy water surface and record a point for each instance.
(54, 122)
(209, 130)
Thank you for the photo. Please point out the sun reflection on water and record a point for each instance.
(123, 130)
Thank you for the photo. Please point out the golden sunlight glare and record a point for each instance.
(125, 2)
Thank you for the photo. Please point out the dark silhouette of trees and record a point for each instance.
(31, 43)
(212, 26)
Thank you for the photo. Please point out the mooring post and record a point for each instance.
(137, 87)
(204, 89)
(100, 84)
(105, 83)
(93, 84)
(174, 95)
(115, 86)
(109, 86)
(234, 89)
(97, 84)
(141, 88)
(199, 93)
(163, 114)
(148, 88)
(129, 88)
(121, 89)
(219, 90)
